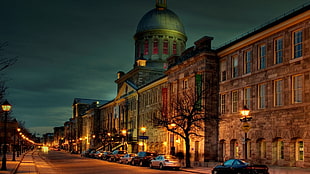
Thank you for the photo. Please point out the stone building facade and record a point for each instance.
(268, 71)
(192, 74)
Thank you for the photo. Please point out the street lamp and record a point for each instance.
(143, 130)
(18, 143)
(172, 148)
(245, 113)
(109, 141)
(124, 133)
(6, 107)
(14, 139)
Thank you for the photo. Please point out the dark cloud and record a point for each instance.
(74, 48)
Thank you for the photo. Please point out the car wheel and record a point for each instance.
(141, 163)
(151, 165)
(132, 163)
(161, 166)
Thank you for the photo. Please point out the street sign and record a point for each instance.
(246, 127)
(143, 137)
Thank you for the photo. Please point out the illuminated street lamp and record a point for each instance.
(245, 118)
(172, 148)
(6, 107)
(18, 143)
(143, 130)
(124, 133)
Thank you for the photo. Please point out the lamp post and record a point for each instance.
(81, 139)
(18, 143)
(143, 130)
(172, 147)
(124, 133)
(109, 141)
(14, 139)
(6, 107)
(245, 127)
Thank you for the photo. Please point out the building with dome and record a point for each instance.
(266, 70)
(160, 34)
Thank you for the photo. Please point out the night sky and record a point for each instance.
(73, 48)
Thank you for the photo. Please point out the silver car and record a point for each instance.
(165, 161)
(126, 159)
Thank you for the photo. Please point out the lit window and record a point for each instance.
(155, 46)
(297, 50)
(174, 47)
(235, 101)
(165, 48)
(278, 50)
(262, 148)
(262, 57)
(297, 89)
(247, 62)
(300, 150)
(278, 91)
(261, 96)
(235, 66)
(146, 47)
(247, 97)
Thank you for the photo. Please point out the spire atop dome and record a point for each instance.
(161, 4)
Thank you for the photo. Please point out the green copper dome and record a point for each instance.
(160, 18)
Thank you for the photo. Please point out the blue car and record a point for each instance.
(237, 166)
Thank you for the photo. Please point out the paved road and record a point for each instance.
(55, 162)
(64, 163)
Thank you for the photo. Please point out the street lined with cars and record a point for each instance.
(55, 161)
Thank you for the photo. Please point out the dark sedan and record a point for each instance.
(237, 166)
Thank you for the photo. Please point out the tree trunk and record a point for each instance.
(187, 154)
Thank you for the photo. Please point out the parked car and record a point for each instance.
(98, 154)
(92, 154)
(117, 154)
(143, 158)
(237, 166)
(127, 158)
(165, 161)
(87, 152)
(106, 155)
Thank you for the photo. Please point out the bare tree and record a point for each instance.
(5, 62)
(188, 115)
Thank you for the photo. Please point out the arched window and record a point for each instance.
(261, 148)
(146, 47)
(277, 149)
(222, 151)
(155, 46)
(165, 47)
(299, 150)
(234, 149)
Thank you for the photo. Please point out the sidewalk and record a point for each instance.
(272, 170)
(10, 165)
(201, 170)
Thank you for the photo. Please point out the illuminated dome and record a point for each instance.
(160, 18)
(159, 35)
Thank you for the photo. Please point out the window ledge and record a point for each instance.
(293, 60)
